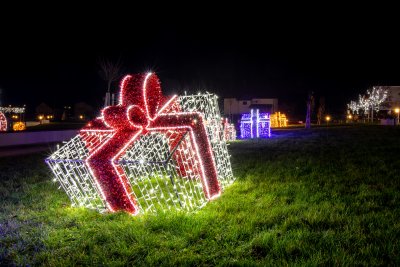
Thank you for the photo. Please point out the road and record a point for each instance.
(24, 150)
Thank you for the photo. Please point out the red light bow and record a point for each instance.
(139, 112)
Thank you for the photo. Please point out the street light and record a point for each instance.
(349, 118)
(327, 118)
(397, 110)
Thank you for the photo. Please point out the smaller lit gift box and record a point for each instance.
(278, 120)
(255, 125)
(148, 153)
(229, 130)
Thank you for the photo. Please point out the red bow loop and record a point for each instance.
(139, 103)
(137, 117)
(144, 91)
(115, 116)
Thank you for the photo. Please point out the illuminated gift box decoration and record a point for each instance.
(146, 153)
(278, 120)
(229, 130)
(3, 122)
(255, 125)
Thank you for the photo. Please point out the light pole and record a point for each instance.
(349, 117)
(327, 118)
(397, 110)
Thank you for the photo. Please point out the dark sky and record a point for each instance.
(249, 52)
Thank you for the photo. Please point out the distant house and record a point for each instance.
(233, 106)
(393, 99)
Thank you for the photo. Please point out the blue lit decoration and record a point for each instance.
(255, 125)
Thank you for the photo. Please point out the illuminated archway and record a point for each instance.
(3, 122)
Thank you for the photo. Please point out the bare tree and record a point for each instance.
(310, 104)
(109, 72)
(321, 110)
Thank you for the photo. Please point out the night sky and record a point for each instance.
(250, 52)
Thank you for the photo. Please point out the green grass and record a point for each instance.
(327, 196)
(166, 194)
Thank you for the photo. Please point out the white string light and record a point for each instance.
(353, 106)
(12, 109)
(370, 101)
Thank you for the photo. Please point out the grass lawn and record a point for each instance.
(326, 196)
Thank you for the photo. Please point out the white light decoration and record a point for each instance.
(163, 166)
(377, 96)
(3, 122)
(372, 100)
(364, 103)
(207, 104)
(16, 110)
(353, 106)
(369, 102)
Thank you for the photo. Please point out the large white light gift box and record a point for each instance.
(148, 153)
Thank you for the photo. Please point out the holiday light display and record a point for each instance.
(229, 130)
(377, 96)
(364, 103)
(353, 106)
(278, 120)
(207, 104)
(16, 110)
(370, 101)
(3, 122)
(146, 153)
(3, 119)
(19, 126)
(255, 125)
